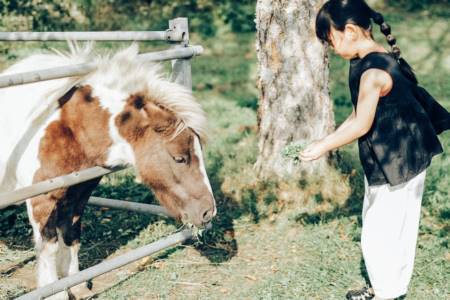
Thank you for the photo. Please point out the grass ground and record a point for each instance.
(269, 249)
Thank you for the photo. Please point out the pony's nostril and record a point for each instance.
(207, 215)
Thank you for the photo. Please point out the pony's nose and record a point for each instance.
(207, 215)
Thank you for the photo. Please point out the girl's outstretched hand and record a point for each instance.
(313, 151)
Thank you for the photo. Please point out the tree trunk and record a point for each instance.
(293, 81)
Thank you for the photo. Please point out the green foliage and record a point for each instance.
(36, 15)
(144, 14)
(40, 15)
(239, 14)
(292, 151)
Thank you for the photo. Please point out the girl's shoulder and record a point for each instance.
(375, 60)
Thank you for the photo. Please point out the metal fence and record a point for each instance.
(179, 54)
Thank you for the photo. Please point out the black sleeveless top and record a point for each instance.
(402, 141)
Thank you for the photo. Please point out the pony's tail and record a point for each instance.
(395, 49)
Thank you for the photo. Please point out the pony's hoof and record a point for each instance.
(59, 296)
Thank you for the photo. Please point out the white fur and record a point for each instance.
(25, 109)
(67, 257)
(74, 266)
(35, 226)
(47, 263)
(199, 153)
(120, 152)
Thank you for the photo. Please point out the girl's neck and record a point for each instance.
(367, 46)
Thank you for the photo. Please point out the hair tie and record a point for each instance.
(385, 28)
(397, 52)
(391, 39)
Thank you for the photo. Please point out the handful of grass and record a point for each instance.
(292, 151)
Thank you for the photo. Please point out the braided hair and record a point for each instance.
(338, 13)
(395, 49)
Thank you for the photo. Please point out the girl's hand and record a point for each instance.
(313, 151)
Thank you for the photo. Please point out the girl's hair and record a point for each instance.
(338, 13)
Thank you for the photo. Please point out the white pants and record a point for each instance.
(389, 234)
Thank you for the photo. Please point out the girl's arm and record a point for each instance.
(374, 84)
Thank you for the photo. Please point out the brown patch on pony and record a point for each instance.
(141, 115)
(76, 141)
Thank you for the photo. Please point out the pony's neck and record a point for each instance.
(87, 122)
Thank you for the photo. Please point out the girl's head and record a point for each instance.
(344, 24)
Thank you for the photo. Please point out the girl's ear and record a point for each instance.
(351, 31)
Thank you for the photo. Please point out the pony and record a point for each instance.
(125, 113)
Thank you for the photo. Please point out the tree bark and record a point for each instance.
(293, 81)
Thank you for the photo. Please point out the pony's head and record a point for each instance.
(168, 157)
(158, 127)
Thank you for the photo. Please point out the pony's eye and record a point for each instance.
(180, 159)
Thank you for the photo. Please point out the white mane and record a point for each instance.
(125, 72)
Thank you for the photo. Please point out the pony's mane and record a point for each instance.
(125, 72)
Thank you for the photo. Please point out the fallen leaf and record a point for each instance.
(274, 268)
(253, 278)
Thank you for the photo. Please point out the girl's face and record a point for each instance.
(345, 43)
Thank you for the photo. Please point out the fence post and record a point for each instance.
(181, 68)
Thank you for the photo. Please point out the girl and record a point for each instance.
(396, 137)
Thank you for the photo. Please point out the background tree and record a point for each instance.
(293, 82)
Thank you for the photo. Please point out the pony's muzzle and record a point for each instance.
(201, 212)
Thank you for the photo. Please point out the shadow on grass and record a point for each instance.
(219, 244)
(347, 164)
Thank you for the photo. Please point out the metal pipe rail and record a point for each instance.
(83, 69)
(108, 265)
(15, 197)
(168, 35)
(131, 206)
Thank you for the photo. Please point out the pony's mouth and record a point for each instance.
(198, 231)
(187, 222)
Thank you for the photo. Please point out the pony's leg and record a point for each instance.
(67, 257)
(42, 214)
(67, 254)
(69, 231)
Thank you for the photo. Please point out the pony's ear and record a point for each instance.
(161, 119)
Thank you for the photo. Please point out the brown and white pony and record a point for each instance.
(124, 113)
